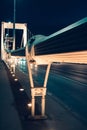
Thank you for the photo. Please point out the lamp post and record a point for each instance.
(14, 20)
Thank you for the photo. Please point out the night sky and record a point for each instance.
(44, 16)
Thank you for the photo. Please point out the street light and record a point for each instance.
(14, 19)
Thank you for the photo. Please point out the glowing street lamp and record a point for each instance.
(21, 89)
(14, 24)
(29, 105)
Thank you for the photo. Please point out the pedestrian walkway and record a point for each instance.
(9, 119)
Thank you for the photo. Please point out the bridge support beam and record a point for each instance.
(43, 106)
(37, 91)
(33, 106)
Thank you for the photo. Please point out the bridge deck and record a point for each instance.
(13, 115)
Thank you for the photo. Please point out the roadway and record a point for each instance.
(69, 83)
(67, 90)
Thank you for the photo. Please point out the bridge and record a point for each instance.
(68, 45)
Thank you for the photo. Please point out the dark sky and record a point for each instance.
(44, 16)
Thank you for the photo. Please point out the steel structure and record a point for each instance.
(6, 25)
(47, 49)
(39, 51)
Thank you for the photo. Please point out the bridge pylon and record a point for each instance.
(37, 91)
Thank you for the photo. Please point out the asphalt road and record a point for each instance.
(69, 84)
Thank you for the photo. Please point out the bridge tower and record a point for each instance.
(5, 38)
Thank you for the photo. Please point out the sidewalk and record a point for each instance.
(9, 119)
